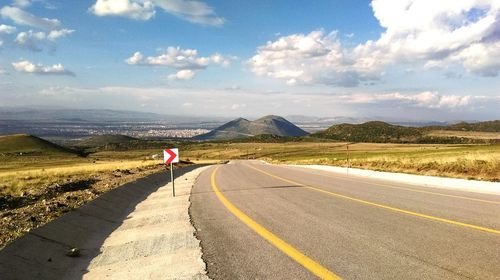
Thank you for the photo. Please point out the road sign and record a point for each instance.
(171, 156)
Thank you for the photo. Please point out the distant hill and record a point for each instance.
(374, 131)
(488, 126)
(29, 144)
(241, 128)
(381, 132)
(106, 139)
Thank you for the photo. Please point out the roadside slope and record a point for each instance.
(116, 234)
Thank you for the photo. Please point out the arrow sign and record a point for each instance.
(171, 156)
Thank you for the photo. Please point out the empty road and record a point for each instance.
(260, 221)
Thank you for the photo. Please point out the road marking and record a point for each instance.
(420, 191)
(286, 248)
(380, 205)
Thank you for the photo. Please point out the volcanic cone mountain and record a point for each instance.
(240, 128)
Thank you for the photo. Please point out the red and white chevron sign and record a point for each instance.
(171, 156)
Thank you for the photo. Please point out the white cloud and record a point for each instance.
(26, 66)
(182, 75)
(30, 40)
(7, 29)
(436, 34)
(21, 3)
(24, 18)
(238, 106)
(191, 10)
(61, 33)
(36, 40)
(309, 58)
(139, 10)
(186, 61)
(427, 99)
(136, 58)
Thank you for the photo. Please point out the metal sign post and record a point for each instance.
(172, 178)
(347, 157)
(171, 156)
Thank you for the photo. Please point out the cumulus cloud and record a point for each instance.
(438, 33)
(435, 34)
(26, 66)
(139, 10)
(191, 10)
(56, 34)
(182, 75)
(7, 29)
(185, 61)
(36, 40)
(22, 17)
(309, 58)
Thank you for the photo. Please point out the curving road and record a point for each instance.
(260, 221)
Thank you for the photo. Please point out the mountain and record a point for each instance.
(240, 128)
(374, 131)
(29, 144)
(106, 139)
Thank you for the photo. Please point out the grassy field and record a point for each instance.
(40, 181)
(481, 162)
(465, 134)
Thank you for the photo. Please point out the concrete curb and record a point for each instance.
(420, 180)
(136, 231)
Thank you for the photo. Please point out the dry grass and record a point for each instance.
(16, 182)
(479, 162)
(465, 134)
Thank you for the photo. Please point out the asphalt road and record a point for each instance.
(260, 221)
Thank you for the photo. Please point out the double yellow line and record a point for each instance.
(279, 243)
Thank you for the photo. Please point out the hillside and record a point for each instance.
(488, 126)
(29, 144)
(374, 131)
(381, 132)
(106, 139)
(241, 128)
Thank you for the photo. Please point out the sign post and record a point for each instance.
(347, 157)
(171, 156)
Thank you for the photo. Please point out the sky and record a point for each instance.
(392, 59)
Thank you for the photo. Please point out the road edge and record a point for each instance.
(412, 179)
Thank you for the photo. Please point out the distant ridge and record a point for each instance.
(241, 128)
(374, 131)
(487, 126)
(29, 144)
(381, 132)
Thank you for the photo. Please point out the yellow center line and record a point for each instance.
(419, 191)
(380, 205)
(286, 248)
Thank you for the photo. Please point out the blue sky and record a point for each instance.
(398, 59)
